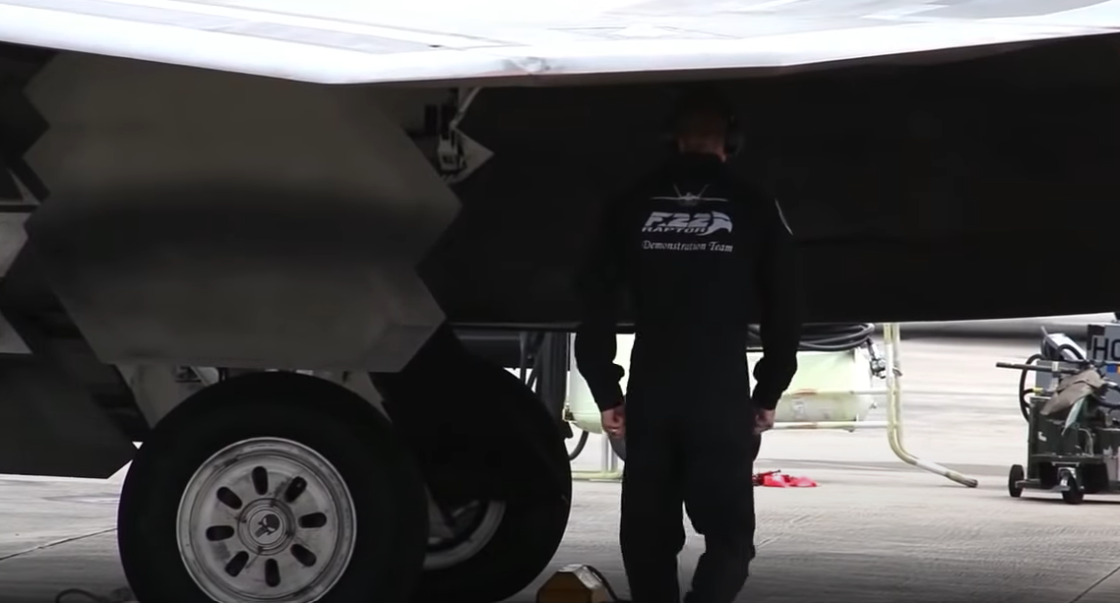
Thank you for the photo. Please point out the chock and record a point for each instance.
(576, 583)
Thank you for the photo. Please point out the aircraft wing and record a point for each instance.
(512, 42)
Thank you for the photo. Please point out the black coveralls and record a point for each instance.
(693, 248)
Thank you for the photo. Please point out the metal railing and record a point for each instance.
(609, 469)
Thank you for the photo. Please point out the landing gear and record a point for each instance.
(284, 488)
(511, 537)
(497, 466)
(273, 487)
(469, 530)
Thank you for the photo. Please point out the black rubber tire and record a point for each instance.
(1016, 475)
(533, 526)
(380, 472)
(1075, 494)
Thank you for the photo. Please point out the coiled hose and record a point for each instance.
(1024, 391)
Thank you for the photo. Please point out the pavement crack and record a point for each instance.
(1091, 586)
(55, 543)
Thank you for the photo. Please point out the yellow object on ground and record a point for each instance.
(574, 584)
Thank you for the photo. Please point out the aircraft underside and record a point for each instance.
(157, 217)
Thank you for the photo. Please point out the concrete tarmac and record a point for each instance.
(875, 530)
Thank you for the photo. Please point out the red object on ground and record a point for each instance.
(777, 479)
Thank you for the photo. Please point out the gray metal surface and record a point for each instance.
(10, 341)
(12, 237)
(892, 179)
(49, 425)
(211, 219)
(503, 42)
(875, 530)
(157, 389)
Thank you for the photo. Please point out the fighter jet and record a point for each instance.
(292, 246)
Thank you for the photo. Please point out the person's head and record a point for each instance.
(701, 121)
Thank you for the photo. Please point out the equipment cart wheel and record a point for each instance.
(1016, 475)
(273, 487)
(1074, 495)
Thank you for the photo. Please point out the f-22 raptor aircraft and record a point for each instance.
(291, 246)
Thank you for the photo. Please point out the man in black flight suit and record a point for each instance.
(692, 248)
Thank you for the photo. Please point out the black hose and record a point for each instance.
(579, 446)
(1065, 347)
(1024, 391)
(1024, 404)
(824, 337)
(606, 584)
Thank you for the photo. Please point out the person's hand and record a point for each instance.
(763, 420)
(614, 422)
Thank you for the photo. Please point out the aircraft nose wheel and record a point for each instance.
(266, 510)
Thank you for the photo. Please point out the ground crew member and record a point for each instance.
(693, 249)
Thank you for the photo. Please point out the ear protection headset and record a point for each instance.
(710, 99)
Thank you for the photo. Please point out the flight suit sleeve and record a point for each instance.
(600, 288)
(781, 307)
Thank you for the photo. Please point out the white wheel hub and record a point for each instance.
(266, 520)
